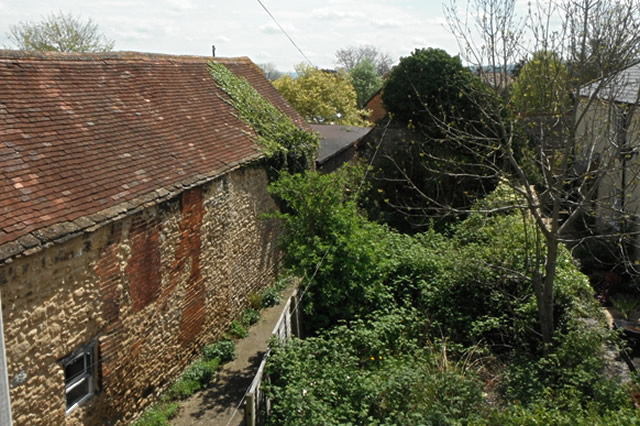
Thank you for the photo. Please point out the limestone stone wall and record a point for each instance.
(150, 289)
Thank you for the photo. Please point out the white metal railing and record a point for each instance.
(257, 405)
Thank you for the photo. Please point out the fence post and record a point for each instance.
(295, 315)
(250, 410)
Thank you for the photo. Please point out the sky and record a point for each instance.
(243, 28)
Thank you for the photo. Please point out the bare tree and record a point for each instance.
(59, 32)
(270, 71)
(582, 149)
(348, 58)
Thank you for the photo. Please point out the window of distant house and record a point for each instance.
(79, 376)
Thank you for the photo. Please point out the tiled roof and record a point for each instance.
(86, 137)
(622, 87)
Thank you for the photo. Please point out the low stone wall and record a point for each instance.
(149, 290)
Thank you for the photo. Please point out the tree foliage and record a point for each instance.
(541, 86)
(396, 337)
(574, 156)
(429, 85)
(322, 96)
(59, 32)
(366, 81)
(421, 173)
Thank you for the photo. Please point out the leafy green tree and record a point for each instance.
(541, 87)
(365, 80)
(59, 32)
(322, 96)
(429, 85)
(421, 174)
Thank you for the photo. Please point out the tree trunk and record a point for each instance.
(544, 292)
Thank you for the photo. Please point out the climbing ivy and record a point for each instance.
(286, 146)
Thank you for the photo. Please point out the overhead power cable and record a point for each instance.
(285, 33)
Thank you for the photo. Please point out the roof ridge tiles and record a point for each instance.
(33, 55)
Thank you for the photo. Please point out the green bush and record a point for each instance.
(324, 224)
(255, 301)
(271, 297)
(183, 389)
(224, 350)
(250, 317)
(158, 415)
(471, 287)
(375, 372)
(201, 371)
(238, 330)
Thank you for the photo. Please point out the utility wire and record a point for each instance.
(285, 33)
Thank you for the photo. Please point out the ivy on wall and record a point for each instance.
(286, 146)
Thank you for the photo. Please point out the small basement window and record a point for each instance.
(79, 376)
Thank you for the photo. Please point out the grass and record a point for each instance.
(158, 415)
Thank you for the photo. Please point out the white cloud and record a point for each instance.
(272, 28)
(222, 39)
(387, 23)
(180, 5)
(332, 14)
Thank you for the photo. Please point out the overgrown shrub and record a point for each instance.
(183, 389)
(255, 301)
(223, 350)
(271, 297)
(375, 372)
(238, 330)
(250, 317)
(323, 224)
(201, 371)
(158, 415)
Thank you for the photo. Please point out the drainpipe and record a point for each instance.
(5, 402)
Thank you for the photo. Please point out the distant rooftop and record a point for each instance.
(622, 88)
(335, 139)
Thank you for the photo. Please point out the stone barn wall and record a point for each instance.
(149, 289)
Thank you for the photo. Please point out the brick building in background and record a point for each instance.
(130, 229)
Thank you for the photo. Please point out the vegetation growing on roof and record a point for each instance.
(286, 146)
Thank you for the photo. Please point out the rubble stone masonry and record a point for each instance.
(150, 289)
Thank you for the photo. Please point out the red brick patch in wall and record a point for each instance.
(193, 313)
(108, 271)
(143, 268)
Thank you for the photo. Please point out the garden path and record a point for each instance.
(216, 405)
